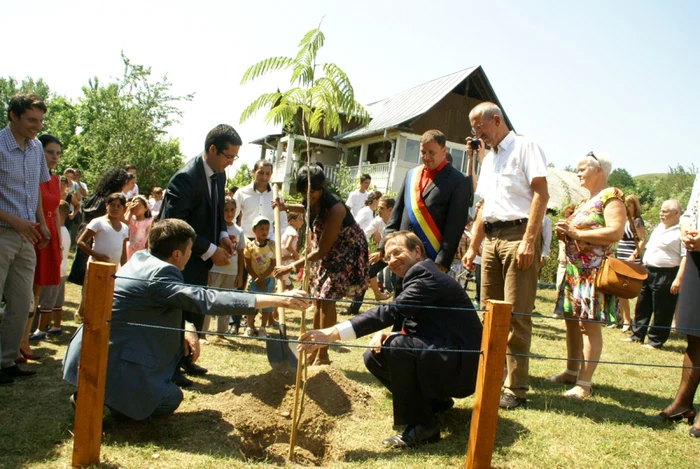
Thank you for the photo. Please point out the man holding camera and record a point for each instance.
(513, 184)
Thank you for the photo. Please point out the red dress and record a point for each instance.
(48, 259)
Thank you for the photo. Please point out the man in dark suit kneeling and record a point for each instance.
(150, 290)
(423, 381)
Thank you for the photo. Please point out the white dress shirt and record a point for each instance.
(506, 175)
(208, 172)
(364, 217)
(251, 203)
(664, 247)
(377, 225)
(356, 200)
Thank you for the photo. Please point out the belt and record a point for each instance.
(490, 226)
(662, 269)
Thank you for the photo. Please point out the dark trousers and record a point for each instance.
(397, 370)
(655, 298)
(374, 270)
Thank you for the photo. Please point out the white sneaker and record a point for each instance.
(262, 332)
(250, 332)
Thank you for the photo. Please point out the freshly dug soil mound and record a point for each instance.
(260, 410)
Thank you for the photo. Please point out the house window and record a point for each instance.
(457, 158)
(412, 154)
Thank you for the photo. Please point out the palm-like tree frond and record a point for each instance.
(264, 101)
(269, 65)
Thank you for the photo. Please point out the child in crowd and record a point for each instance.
(156, 201)
(259, 262)
(290, 241)
(227, 276)
(51, 297)
(138, 217)
(110, 233)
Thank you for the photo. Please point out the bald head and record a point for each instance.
(487, 123)
(486, 111)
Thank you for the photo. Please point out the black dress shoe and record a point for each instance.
(694, 432)
(181, 381)
(15, 372)
(442, 405)
(414, 435)
(191, 368)
(5, 380)
(511, 401)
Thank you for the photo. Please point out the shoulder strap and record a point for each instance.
(633, 229)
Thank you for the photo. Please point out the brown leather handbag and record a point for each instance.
(621, 278)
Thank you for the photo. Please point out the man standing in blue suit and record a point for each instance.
(150, 290)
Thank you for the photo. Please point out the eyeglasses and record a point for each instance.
(477, 128)
(229, 157)
(590, 153)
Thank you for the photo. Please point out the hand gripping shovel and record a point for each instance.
(281, 354)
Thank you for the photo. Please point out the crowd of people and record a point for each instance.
(196, 234)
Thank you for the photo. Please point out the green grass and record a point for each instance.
(609, 430)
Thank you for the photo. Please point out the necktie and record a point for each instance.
(215, 204)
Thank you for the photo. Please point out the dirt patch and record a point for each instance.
(260, 410)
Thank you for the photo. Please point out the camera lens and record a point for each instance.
(474, 143)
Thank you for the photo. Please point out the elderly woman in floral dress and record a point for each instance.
(590, 234)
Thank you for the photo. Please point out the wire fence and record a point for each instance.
(400, 304)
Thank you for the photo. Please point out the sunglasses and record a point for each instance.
(590, 153)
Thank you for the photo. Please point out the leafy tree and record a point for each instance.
(320, 98)
(241, 178)
(126, 121)
(570, 169)
(623, 180)
(10, 86)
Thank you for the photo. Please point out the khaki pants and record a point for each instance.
(17, 263)
(501, 279)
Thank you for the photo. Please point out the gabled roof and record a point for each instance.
(408, 105)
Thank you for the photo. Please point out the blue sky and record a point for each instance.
(616, 76)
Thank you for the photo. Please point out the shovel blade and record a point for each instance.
(282, 354)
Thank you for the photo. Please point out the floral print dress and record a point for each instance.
(344, 270)
(583, 260)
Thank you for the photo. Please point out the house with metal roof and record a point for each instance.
(389, 145)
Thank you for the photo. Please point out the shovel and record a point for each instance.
(281, 354)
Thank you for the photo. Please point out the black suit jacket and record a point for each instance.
(447, 198)
(440, 373)
(188, 199)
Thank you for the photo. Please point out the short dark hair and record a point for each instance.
(22, 102)
(388, 201)
(448, 157)
(409, 239)
(310, 175)
(64, 208)
(167, 235)
(365, 177)
(221, 137)
(46, 139)
(116, 196)
(129, 166)
(260, 163)
(144, 201)
(434, 136)
(233, 189)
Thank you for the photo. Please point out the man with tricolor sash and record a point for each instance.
(433, 202)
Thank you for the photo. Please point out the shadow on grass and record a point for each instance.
(364, 377)
(626, 411)
(455, 431)
(175, 432)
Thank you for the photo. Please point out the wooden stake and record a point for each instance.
(99, 284)
(482, 431)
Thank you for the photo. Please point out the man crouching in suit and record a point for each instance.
(421, 382)
(149, 289)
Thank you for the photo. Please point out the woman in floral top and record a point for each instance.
(590, 234)
(339, 251)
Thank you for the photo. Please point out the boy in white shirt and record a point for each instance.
(356, 199)
(228, 276)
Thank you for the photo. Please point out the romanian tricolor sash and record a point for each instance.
(421, 221)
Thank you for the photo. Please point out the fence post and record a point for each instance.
(482, 431)
(93, 364)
